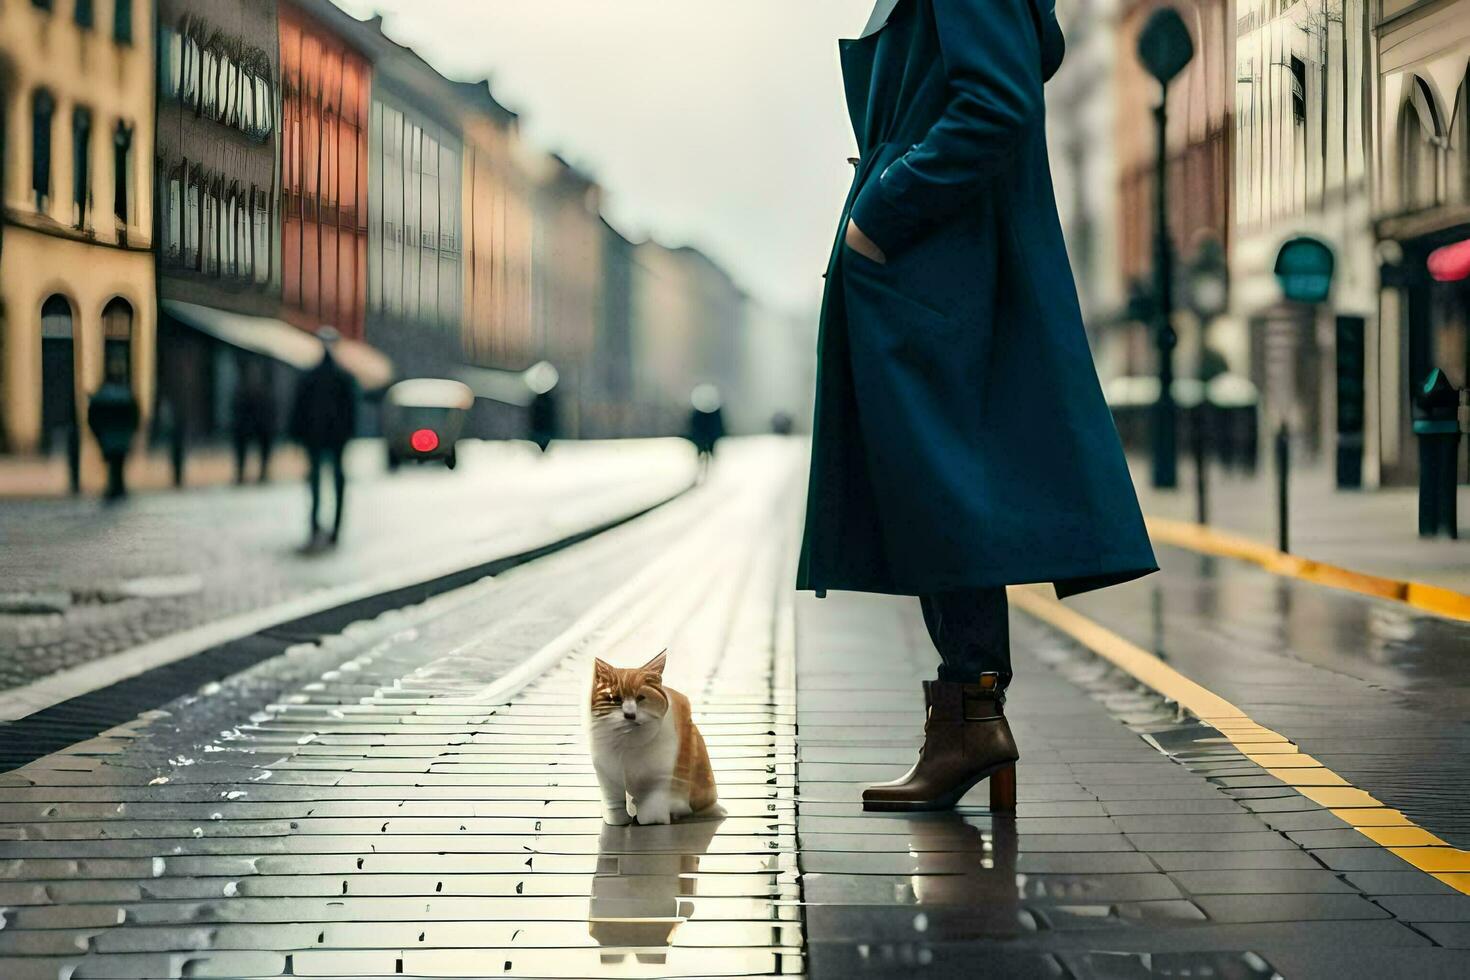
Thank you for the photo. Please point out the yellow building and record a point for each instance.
(499, 229)
(76, 172)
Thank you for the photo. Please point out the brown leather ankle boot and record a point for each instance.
(966, 739)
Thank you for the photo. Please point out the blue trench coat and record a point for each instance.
(960, 438)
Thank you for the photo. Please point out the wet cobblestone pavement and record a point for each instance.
(1141, 847)
(1376, 690)
(413, 797)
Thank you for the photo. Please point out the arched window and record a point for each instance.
(117, 339)
(1420, 146)
(43, 107)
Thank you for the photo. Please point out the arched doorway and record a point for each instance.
(59, 431)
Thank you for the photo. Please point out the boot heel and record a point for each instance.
(1003, 789)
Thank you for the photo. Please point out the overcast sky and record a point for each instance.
(716, 123)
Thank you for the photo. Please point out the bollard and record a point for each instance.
(1283, 478)
(1201, 461)
(1436, 424)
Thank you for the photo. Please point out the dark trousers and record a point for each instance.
(319, 457)
(971, 629)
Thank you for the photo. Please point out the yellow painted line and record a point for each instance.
(1383, 825)
(1211, 541)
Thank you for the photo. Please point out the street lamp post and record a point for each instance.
(1164, 48)
(1208, 296)
(1304, 268)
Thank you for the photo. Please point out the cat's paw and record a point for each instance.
(616, 818)
(648, 817)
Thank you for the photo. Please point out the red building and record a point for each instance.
(324, 163)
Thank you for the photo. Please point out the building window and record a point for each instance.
(83, 13)
(170, 62)
(122, 21)
(81, 154)
(43, 106)
(1299, 89)
(189, 73)
(1421, 141)
(117, 340)
(191, 222)
(208, 75)
(261, 231)
(209, 238)
(122, 145)
(173, 234)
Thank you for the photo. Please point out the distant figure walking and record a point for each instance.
(323, 418)
(254, 417)
(706, 423)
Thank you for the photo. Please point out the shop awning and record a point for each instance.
(281, 341)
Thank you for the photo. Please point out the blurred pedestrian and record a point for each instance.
(112, 415)
(323, 419)
(706, 423)
(961, 442)
(253, 417)
(543, 415)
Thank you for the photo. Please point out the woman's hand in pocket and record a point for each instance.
(863, 245)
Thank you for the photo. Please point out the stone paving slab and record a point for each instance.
(1173, 856)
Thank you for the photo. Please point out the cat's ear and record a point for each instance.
(602, 669)
(656, 665)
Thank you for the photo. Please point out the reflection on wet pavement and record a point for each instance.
(646, 882)
(1376, 690)
(416, 799)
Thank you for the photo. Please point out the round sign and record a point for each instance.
(1304, 268)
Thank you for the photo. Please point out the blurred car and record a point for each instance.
(423, 418)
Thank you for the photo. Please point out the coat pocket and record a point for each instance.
(879, 283)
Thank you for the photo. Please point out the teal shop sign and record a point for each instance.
(1304, 269)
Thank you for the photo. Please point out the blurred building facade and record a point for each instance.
(1341, 119)
(203, 182)
(1421, 202)
(76, 234)
(326, 83)
(217, 193)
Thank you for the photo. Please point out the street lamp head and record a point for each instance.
(1208, 285)
(1164, 45)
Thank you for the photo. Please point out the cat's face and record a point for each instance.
(629, 698)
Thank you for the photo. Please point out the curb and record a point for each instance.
(1433, 599)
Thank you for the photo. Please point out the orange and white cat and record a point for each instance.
(650, 759)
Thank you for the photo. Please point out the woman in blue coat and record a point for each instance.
(961, 442)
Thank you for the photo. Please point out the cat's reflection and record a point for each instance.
(645, 886)
(969, 866)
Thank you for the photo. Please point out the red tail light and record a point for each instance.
(424, 441)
